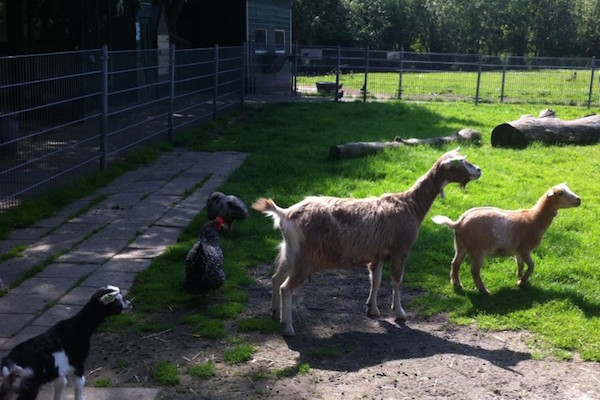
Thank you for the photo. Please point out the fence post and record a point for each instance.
(399, 95)
(171, 91)
(104, 110)
(364, 88)
(479, 61)
(295, 70)
(243, 72)
(503, 79)
(337, 74)
(216, 94)
(591, 82)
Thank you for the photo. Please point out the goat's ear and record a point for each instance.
(453, 161)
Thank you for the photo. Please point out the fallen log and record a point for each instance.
(360, 149)
(546, 128)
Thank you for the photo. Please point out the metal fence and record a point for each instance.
(63, 115)
(373, 74)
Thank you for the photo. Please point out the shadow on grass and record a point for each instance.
(508, 300)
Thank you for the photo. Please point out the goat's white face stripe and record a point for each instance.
(472, 169)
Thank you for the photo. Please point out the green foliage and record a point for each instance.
(165, 373)
(206, 327)
(202, 371)
(292, 371)
(239, 353)
(102, 383)
(520, 27)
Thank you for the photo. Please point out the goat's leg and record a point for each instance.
(375, 279)
(529, 261)
(397, 274)
(295, 279)
(520, 264)
(280, 276)
(459, 257)
(78, 384)
(59, 387)
(476, 264)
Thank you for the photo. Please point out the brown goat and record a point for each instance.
(321, 233)
(490, 231)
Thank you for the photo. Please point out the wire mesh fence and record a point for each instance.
(63, 115)
(380, 75)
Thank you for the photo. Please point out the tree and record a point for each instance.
(320, 22)
(172, 9)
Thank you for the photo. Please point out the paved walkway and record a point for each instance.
(142, 213)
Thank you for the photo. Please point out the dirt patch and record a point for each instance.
(349, 355)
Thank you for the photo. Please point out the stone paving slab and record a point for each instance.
(26, 333)
(90, 393)
(126, 265)
(56, 313)
(123, 280)
(144, 212)
(12, 323)
(67, 270)
(156, 236)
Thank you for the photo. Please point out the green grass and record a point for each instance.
(561, 305)
(239, 353)
(203, 371)
(550, 86)
(165, 373)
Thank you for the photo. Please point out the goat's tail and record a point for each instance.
(292, 235)
(268, 207)
(442, 220)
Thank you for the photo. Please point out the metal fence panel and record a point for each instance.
(63, 115)
(380, 75)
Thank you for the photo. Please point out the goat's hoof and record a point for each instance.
(288, 332)
(522, 283)
(373, 313)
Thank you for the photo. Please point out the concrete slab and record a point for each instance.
(67, 270)
(55, 314)
(156, 236)
(126, 265)
(132, 253)
(30, 234)
(177, 217)
(87, 256)
(13, 323)
(27, 333)
(14, 268)
(100, 278)
(91, 393)
(34, 294)
(78, 296)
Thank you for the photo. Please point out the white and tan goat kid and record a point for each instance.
(488, 231)
(321, 233)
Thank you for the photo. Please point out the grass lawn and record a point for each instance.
(551, 86)
(288, 146)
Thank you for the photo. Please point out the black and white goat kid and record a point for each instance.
(58, 353)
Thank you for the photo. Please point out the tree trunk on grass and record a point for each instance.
(546, 128)
(360, 149)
